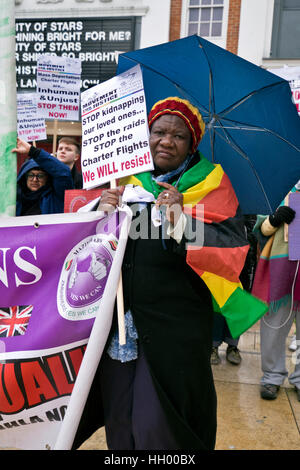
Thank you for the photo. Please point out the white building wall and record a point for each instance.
(255, 36)
(255, 30)
(155, 23)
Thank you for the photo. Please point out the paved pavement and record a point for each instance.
(245, 421)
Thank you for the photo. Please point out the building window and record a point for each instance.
(205, 17)
(286, 30)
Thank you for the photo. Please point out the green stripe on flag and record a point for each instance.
(242, 310)
(190, 178)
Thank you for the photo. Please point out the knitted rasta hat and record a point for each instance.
(185, 110)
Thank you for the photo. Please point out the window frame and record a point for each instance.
(219, 40)
(275, 41)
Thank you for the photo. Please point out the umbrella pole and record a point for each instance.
(120, 298)
(54, 137)
(8, 110)
(286, 227)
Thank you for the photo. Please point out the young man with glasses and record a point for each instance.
(41, 182)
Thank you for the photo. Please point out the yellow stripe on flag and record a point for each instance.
(194, 194)
(130, 180)
(220, 288)
(197, 192)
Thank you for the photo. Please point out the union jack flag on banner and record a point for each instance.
(14, 320)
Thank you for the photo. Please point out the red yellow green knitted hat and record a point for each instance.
(185, 110)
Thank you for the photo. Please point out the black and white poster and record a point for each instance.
(97, 42)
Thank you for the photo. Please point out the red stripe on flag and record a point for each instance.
(224, 262)
(222, 199)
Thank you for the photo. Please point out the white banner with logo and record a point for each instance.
(58, 280)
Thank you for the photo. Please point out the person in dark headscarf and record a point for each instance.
(41, 182)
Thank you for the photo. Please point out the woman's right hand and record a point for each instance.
(110, 199)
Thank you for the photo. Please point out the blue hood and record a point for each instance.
(27, 165)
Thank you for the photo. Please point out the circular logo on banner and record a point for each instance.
(83, 277)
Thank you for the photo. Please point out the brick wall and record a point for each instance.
(175, 19)
(233, 26)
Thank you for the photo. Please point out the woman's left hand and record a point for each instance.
(173, 200)
(22, 147)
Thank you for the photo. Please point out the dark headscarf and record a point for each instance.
(30, 200)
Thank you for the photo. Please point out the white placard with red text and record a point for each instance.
(58, 87)
(115, 134)
(292, 74)
(31, 127)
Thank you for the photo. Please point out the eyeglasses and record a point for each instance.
(38, 176)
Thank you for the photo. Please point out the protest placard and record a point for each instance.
(292, 74)
(294, 227)
(295, 87)
(58, 87)
(76, 198)
(30, 126)
(115, 134)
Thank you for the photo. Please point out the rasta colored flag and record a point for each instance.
(220, 257)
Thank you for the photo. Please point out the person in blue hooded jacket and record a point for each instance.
(41, 182)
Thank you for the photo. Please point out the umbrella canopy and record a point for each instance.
(252, 125)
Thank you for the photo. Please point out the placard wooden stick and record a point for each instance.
(120, 298)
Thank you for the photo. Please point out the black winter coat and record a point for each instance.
(173, 314)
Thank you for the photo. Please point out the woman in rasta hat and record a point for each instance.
(157, 390)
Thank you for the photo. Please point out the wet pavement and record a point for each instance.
(245, 421)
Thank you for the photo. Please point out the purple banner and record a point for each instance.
(51, 272)
(294, 227)
(58, 274)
